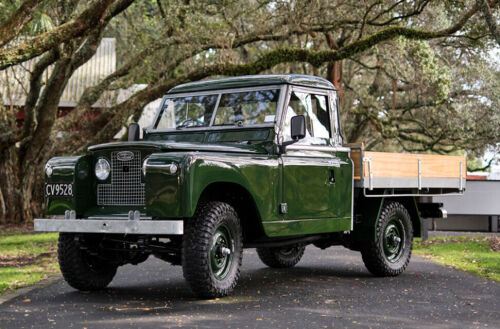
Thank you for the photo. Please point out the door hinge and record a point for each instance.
(283, 208)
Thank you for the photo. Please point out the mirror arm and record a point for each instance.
(282, 147)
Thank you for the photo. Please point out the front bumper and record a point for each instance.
(110, 225)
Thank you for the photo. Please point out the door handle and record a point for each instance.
(331, 176)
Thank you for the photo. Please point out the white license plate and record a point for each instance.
(58, 189)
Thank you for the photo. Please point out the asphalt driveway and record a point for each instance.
(327, 289)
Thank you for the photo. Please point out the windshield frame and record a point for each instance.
(219, 93)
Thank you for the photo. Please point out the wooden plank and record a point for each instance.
(356, 159)
(356, 150)
(406, 165)
(386, 164)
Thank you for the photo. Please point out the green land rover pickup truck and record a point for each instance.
(246, 162)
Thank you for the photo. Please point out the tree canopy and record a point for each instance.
(412, 75)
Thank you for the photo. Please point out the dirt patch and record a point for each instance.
(8, 261)
(23, 228)
(495, 244)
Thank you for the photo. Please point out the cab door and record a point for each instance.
(312, 168)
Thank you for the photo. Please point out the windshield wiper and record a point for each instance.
(188, 123)
(237, 123)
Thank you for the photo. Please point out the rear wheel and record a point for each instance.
(80, 269)
(390, 253)
(212, 250)
(281, 257)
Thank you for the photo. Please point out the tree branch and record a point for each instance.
(22, 16)
(490, 20)
(88, 19)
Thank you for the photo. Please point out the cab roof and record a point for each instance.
(254, 81)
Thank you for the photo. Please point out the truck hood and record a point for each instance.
(181, 146)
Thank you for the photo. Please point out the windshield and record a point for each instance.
(235, 109)
(247, 108)
(190, 111)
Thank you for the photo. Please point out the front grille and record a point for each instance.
(126, 188)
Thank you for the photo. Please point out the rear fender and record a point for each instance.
(367, 214)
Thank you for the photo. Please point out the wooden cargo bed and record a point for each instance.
(400, 172)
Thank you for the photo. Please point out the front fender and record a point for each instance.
(178, 195)
(75, 170)
(259, 175)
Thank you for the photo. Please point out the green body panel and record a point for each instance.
(253, 81)
(312, 226)
(163, 190)
(75, 170)
(367, 214)
(317, 184)
(259, 175)
(170, 195)
(179, 137)
(179, 146)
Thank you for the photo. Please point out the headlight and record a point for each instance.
(173, 168)
(144, 164)
(102, 169)
(48, 170)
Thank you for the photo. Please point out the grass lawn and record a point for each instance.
(26, 258)
(478, 255)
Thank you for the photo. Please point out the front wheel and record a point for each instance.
(281, 257)
(212, 250)
(80, 269)
(390, 253)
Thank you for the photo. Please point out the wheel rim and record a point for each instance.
(221, 252)
(394, 240)
(288, 251)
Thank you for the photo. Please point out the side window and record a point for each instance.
(315, 109)
(320, 117)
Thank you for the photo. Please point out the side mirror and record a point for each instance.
(297, 131)
(298, 127)
(133, 132)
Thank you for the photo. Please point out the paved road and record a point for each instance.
(328, 289)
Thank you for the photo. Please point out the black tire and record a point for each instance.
(81, 270)
(386, 256)
(212, 267)
(281, 257)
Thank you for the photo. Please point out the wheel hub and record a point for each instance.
(393, 240)
(221, 252)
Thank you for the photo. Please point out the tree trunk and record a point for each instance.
(21, 196)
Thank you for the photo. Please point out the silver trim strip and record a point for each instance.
(152, 165)
(370, 171)
(419, 174)
(110, 225)
(395, 195)
(318, 148)
(461, 187)
(212, 119)
(303, 220)
(409, 182)
(352, 195)
(62, 167)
